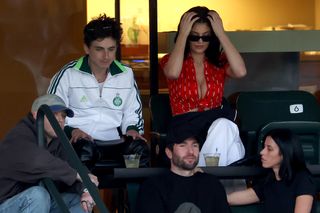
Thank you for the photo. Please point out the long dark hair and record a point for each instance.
(213, 52)
(292, 154)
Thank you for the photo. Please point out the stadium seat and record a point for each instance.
(160, 118)
(261, 111)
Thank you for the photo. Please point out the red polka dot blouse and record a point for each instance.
(183, 92)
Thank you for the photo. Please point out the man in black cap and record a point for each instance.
(23, 164)
(182, 189)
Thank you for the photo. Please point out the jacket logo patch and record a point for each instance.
(117, 101)
(84, 99)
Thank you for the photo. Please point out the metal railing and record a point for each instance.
(44, 110)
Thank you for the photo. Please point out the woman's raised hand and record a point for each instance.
(186, 23)
(216, 22)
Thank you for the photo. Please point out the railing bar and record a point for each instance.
(73, 158)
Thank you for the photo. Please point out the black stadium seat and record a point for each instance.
(261, 111)
(160, 118)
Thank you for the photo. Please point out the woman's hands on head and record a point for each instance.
(189, 18)
(186, 23)
(173, 67)
(216, 22)
(237, 68)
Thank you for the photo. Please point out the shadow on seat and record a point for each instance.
(161, 115)
(261, 111)
(104, 170)
(106, 164)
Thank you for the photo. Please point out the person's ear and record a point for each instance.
(86, 48)
(168, 153)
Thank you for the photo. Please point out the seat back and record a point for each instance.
(259, 108)
(161, 115)
(307, 131)
(109, 157)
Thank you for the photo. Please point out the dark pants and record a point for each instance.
(200, 122)
(90, 152)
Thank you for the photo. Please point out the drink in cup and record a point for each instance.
(132, 161)
(212, 159)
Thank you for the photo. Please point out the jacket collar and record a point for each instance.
(115, 67)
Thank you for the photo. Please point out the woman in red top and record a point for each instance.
(196, 70)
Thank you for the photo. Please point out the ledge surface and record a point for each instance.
(261, 41)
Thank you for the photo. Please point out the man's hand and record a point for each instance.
(77, 134)
(197, 169)
(135, 135)
(87, 203)
(94, 179)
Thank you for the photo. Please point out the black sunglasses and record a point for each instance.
(197, 38)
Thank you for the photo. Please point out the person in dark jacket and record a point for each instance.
(23, 164)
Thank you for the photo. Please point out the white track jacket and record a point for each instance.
(99, 114)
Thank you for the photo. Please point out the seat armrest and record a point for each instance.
(247, 161)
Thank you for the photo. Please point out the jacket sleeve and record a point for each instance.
(132, 114)
(29, 163)
(59, 85)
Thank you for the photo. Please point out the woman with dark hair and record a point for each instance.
(196, 69)
(289, 186)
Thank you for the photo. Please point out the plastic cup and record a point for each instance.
(132, 161)
(211, 159)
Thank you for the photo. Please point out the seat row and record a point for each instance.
(258, 113)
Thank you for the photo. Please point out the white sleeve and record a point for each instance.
(132, 114)
(59, 85)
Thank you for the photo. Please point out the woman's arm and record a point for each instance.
(237, 67)
(173, 67)
(303, 204)
(243, 197)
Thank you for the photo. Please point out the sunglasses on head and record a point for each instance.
(197, 38)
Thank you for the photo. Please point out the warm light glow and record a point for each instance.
(134, 17)
(96, 7)
(240, 15)
(169, 12)
(236, 15)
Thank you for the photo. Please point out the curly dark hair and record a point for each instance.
(213, 52)
(102, 27)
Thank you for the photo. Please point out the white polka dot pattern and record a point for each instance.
(183, 91)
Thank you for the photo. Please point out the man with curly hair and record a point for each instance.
(103, 94)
